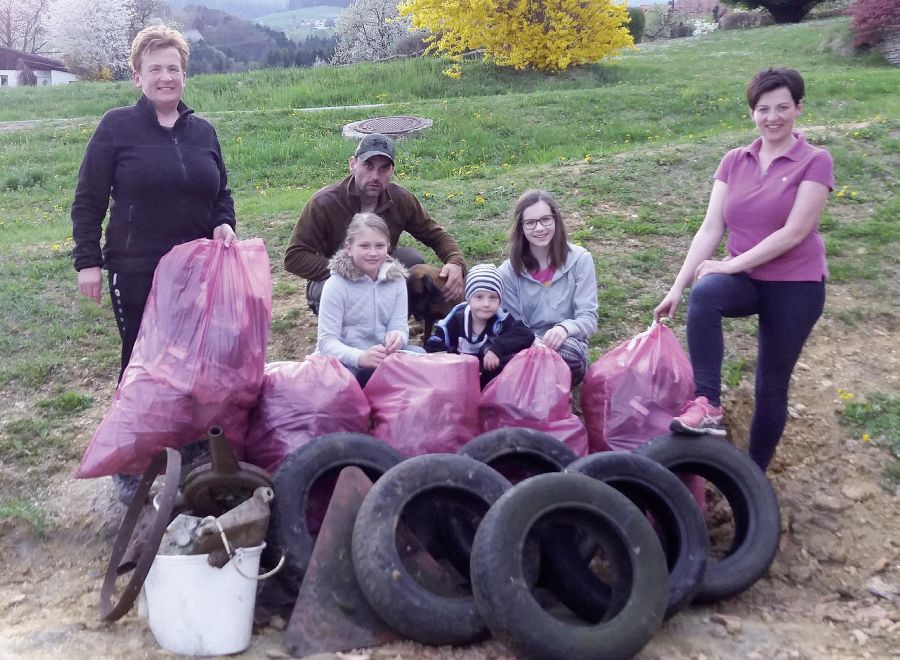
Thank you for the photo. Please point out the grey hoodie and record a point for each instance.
(357, 312)
(570, 300)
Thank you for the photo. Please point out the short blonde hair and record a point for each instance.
(154, 38)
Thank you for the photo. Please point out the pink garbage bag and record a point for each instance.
(534, 391)
(632, 392)
(423, 404)
(300, 401)
(198, 359)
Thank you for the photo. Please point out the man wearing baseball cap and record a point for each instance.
(323, 223)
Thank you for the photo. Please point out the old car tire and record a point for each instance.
(522, 448)
(289, 533)
(757, 519)
(678, 521)
(509, 606)
(517, 453)
(406, 605)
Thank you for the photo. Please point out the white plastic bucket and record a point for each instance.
(195, 609)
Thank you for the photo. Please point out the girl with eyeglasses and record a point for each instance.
(549, 283)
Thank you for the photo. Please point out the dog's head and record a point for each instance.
(426, 300)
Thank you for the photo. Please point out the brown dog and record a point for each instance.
(424, 289)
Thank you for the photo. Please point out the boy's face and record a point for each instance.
(484, 304)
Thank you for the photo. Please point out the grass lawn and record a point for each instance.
(628, 147)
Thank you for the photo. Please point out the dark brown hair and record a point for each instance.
(769, 79)
(520, 249)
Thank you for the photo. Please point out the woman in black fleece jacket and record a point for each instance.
(160, 171)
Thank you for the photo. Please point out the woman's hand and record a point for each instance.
(554, 337)
(393, 341)
(490, 361)
(711, 267)
(90, 283)
(453, 289)
(668, 306)
(224, 232)
(373, 357)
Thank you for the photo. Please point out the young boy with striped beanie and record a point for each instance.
(480, 326)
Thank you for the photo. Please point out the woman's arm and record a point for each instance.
(805, 213)
(703, 246)
(92, 192)
(95, 181)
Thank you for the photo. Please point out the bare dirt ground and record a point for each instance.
(832, 591)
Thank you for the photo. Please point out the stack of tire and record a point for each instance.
(561, 557)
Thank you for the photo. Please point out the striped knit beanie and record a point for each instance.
(483, 277)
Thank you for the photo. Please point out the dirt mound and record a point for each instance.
(832, 591)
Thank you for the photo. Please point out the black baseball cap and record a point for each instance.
(375, 144)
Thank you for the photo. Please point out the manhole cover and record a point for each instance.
(396, 126)
(392, 125)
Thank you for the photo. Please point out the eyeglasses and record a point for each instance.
(546, 221)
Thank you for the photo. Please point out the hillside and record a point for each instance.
(628, 147)
(298, 24)
(255, 8)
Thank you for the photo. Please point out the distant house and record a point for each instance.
(701, 8)
(17, 64)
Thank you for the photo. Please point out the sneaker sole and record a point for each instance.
(677, 427)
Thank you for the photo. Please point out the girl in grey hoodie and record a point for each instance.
(549, 283)
(363, 312)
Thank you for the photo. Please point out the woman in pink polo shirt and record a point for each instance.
(768, 196)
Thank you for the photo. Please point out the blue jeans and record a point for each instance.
(787, 313)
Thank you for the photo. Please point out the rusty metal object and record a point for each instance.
(330, 613)
(171, 461)
(245, 527)
(219, 486)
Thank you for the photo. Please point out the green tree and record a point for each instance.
(783, 11)
(636, 23)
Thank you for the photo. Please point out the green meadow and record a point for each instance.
(627, 146)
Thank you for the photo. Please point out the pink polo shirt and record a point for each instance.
(757, 204)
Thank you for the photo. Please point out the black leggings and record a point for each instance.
(129, 292)
(787, 313)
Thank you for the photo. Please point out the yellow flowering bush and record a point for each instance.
(545, 34)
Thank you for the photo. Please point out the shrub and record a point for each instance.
(702, 26)
(745, 19)
(636, 23)
(680, 30)
(550, 35)
(782, 11)
(413, 44)
(874, 20)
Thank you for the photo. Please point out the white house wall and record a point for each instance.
(45, 77)
(62, 77)
(11, 76)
